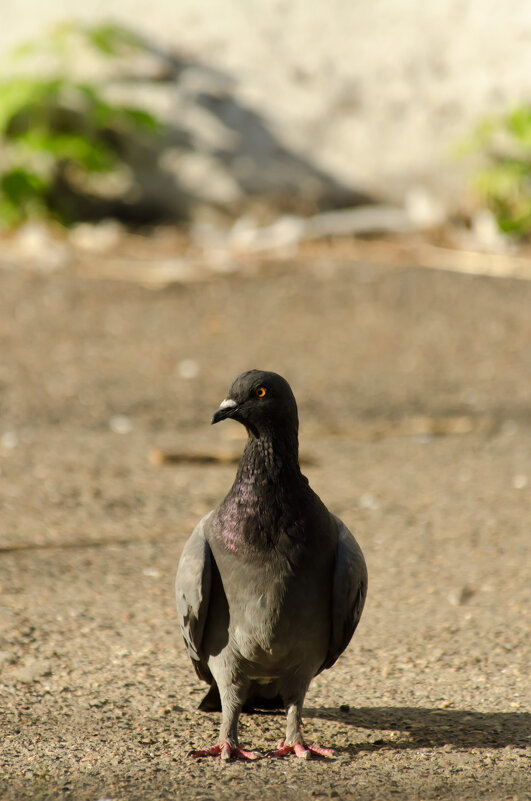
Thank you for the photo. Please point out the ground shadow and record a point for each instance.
(263, 166)
(432, 727)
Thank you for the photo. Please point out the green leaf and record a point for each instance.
(89, 153)
(505, 183)
(519, 124)
(113, 40)
(50, 118)
(20, 184)
(141, 119)
(18, 95)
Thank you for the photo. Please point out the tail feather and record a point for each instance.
(211, 702)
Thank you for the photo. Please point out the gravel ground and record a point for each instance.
(414, 390)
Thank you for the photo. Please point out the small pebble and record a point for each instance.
(120, 424)
(9, 440)
(188, 369)
(151, 572)
(368, 501)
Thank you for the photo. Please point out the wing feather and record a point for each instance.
(192, 591)
(348, 593)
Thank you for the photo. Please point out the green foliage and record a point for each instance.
(22, 195)
(113, 40)
(505, 181)
(52, 122)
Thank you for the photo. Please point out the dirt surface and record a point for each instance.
(414, 389)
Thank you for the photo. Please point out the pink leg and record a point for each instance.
(225, 751)
(294, 735)
(302, 751)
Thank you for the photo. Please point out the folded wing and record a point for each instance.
(348, 593)
(192, 590)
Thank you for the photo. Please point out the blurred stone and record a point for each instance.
(98, 238)
(120, 424)
(151, 572)
(34, 241)
(9, 440)
(289, 230)
(359, 220)
(485, 234)
(368, 501)
(423, 208)
(188, 369)
(520, 481)
(246, 235)
(453, 598)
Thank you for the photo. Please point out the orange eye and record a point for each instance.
(260, 392)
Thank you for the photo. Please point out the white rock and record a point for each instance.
(486, 235)
(33, 242)
(188, 369)
(286, 231)
(9, 440)
(96, 238)
(368, 501)
(424, 210)
(151, 572)
(120, 424)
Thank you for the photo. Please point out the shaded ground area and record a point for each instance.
(414, 390)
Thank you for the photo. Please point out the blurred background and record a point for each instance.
(210, 114)
(341, 193)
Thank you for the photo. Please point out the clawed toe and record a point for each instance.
(318, 750)
(302, 751)
(215, 750)
(225, 751)
(241, 754)
(281, 750)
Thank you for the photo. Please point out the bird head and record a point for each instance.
(261, 401)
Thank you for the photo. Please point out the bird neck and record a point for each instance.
(268, 497)
(269, 456)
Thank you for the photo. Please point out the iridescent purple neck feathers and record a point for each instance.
(268, 497)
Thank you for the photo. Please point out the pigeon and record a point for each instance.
(270, 586)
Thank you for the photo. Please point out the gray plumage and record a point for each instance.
(270, 586)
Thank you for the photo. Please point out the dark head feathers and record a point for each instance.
(262, 401)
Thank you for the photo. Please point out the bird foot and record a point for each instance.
(225, 751)
(302, 751)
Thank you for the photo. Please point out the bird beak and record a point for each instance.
(226, 409)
